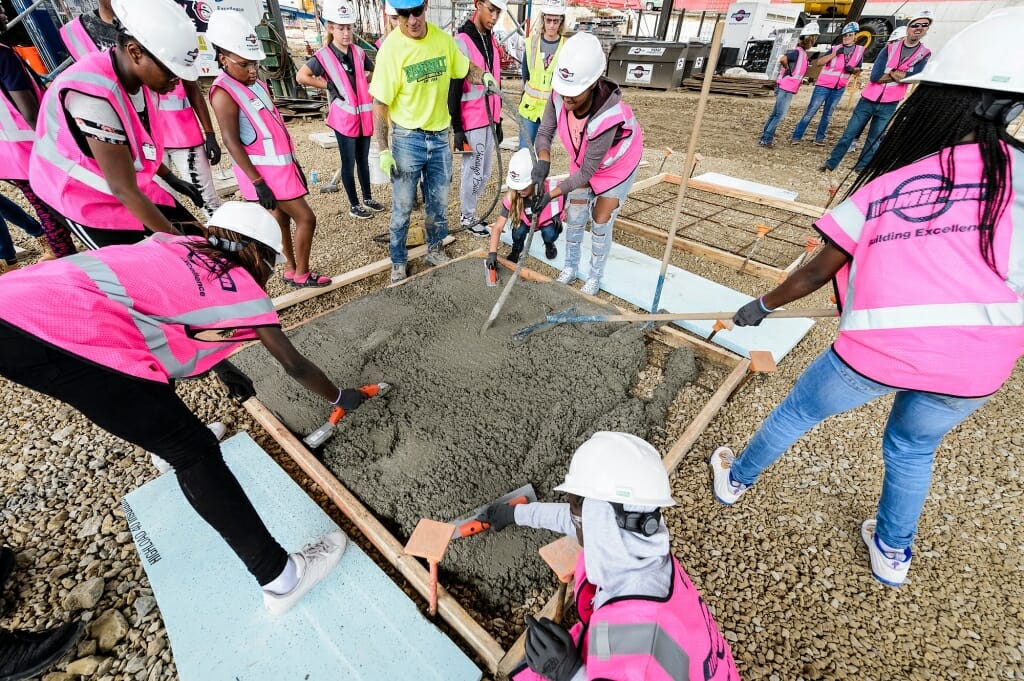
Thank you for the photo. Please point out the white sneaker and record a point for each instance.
(314, 562)
(397, 273)
(567, 276)
(591, 287)
(888, 567)
(435, 257)
(217, 428)
(726, 491)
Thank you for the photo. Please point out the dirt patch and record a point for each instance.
(471, 416)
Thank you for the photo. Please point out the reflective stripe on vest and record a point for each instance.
(886, 93)
(179, 121)
(16, 135)
(1015, 272)
(537, 90)
(474, 106)
(833, 75)
(552, 210)
(351, 114)
(791, 83)
(624, 155)
(77, 39)
(246, 100)
(939, 314)
(174, 102)
(646, 638)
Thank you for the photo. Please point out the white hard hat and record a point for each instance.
(993, 50)
(339, 12)
(520, 169)
(230, 31)
(500, 4)
(555, 8)
(389, 10)
(810, 29)
(163, 28)
(922, 14)
(580, 63)
(898, 33)
(620, 468)
(251, 220)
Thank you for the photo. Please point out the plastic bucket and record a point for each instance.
(377, 175)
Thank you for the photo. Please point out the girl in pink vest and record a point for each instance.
(605, 145)
(99, 144)
(517, 207)
(344, 70)
(640, 617)
(257, 138)
(129, 321)
(927, 258)
(792, 67)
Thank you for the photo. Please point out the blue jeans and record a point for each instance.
(12, 212)
(917, 423)
(820, 96)
(531, 128)
(549, 233)
(419, 155)
(782, 101)
(865, 113)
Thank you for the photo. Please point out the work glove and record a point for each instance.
(349, 399)
(751, 314)
(212, 148)
(550, 650)
(239, 385)
(460, 143)
(490, 84)
(540, 202)
(187, 189)
(387, 164)
(499, 134)
(500, 515)
(492, 260)
(332, 92)
(540, 172)
(265, 194)
(850, 69)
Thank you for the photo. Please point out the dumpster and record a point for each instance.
(697, 52)
(647, 63)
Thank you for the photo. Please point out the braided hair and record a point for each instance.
(221, 254)
(933, 120)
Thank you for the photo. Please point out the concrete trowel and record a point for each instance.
(472, 524)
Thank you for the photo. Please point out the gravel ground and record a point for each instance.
(784, 571)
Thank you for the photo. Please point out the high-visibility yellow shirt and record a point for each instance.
(412, 78)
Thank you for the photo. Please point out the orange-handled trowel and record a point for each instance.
(320, 435)
(472, 524)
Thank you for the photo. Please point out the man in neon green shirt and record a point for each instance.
(410, 88)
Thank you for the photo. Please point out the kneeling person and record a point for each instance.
(518, 208)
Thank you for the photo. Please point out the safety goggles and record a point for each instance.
(490, 8)
(411, 12)
(244, 65)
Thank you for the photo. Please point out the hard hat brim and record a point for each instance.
(560, 12)
(517, 185)
(406, 4)
(189, 73)
(567, 89)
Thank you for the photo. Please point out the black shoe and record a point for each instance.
(359, 213)
(25, 654)
(824, 169)
(514, 254)
(373, 205)
(550, 251)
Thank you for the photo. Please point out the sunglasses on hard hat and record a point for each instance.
(411, 12)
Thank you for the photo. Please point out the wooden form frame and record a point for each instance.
(494, 658)
(751, 266)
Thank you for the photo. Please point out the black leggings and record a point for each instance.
(97, 237)
(355, 153)
(152, 416)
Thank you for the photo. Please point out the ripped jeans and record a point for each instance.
(579, 210)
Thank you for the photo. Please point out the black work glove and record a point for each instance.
(499, 134)
(332, 92)
(850, 69)
(550, 650)
(212, 148)
(460, 143)
(501, 515)
(540, 172)
(239, 385)
(540, 202)
(182, 187)
(750, 314)
(350, 398)
(265, 194)
(492, 260)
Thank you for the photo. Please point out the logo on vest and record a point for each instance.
(209, 266)
(924, 198)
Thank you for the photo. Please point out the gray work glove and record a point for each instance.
(751, 314)
(492, 260)
(550, 650)
(540, 172)
(499, 516)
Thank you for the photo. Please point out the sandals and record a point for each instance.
(288, 276)
(311, 280)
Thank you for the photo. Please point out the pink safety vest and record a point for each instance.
(921, 309)
(138, 309)
(623, 157)
(351, 114)
(179, 121)
(550, 212)
(271, 153)
(71, 182)
(16, 135)
(791, 83)
(885, 93)
(474, 109)
(77, 40)
(647, 639)
(832, 74)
